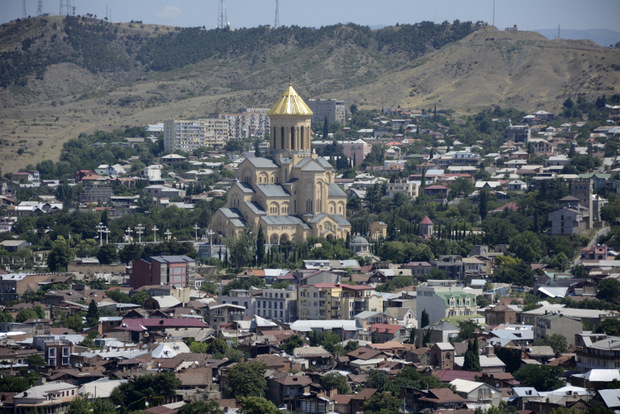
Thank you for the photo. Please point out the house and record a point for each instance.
(600, 354)
(51, 398)
(437, 193)
(383, 332)
(441, 302)
(286, 389)
(567, 221)
(488, 363)
(442, 355)
(176, 271)
(432, 400)
(479, 392)
(557, 323)
(500, 315)
(218, 315)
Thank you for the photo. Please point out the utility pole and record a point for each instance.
(139, 231)
(154, 233)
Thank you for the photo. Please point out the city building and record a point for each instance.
(556, 323)
(402, 186)
(291, 193)
(175, 271)
(326, 301)
(49, 398)
(444, 301)
(189, 135)
(278, 304)
(247, 123)
(330, 109)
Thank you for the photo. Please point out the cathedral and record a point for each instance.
(291, 193)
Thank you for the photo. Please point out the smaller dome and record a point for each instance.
(359, 240)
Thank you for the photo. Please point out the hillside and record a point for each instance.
(60, 77)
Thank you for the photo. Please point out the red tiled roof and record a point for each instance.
(447, 375)
(385, 328)
(143, 324)
(426, 220)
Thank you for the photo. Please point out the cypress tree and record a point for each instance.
(260, 247)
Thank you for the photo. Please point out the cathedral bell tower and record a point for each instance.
(290, 120)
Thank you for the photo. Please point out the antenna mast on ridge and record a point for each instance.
(276, 22)
(40, 8)
(222, 21)
(24, 14)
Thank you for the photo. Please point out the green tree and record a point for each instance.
(526, 246)
(425, 320)
(92, 316)
(541, 377)
(484, 204)
(140, 297)
(21, 381)
(135, 393)
(610, 326)
(242, 249)
(198, 347)
(382, 403)
(6, 316)
(25, 314)
(260, 247)
(107, 254)
(60, 255)
(217, 347)
(555, 341)
(257, 405)
(560, 261)
(609, 290)
(335, 380)
(130, 252)
(467, 328)
(201, 407)
(246, 380)
(35, 360)
(472, 357)
(292, 342)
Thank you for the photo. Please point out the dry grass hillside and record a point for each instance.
(488, 67)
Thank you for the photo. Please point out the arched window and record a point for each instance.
(293, 138)
(282, 137)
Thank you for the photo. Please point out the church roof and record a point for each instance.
(272, 190)
(260, 162)
(255, 207)
(285, 220)
(245, 187)
(339, 219)
(426, 220)
(313, 166)
(335, 191)
(290, 103)
(234, 216)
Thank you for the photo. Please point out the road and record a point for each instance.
(602, 232)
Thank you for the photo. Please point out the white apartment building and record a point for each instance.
(189, 135)
(247, 123)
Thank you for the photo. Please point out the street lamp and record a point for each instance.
(100, 228)
(106, 230)
(139, 231)
(128, 234)
(154, 233)
(196, 228)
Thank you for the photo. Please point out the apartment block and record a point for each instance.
(331, 109)
(327, 301)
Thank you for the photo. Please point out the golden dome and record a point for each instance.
(290, 104)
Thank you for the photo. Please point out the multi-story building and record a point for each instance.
(556, 323)
(176, 271)
(278, 304)
(96, 193)
(601, 354)
(517, 133)
(241, 297)
(444, 301)
(336, 301)
(330, 109)
(355, 151)
(14, 285)
(189, 135)
(50, 398)
(57, 351)
(247, 123)
(402, 186)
